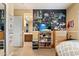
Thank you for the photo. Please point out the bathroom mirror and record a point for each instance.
(2, 29)
(28, 22)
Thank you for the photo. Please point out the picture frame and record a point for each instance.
(71, 24)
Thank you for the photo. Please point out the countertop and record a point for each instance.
(28, 33)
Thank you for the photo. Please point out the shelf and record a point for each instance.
(45, 42)
(35, 45)
(45, 39)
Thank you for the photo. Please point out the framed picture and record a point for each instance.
(71, 24)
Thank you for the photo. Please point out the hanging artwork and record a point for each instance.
(71, 24)
(52, 19)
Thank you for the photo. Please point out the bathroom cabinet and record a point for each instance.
(59, 36)
(28, 37)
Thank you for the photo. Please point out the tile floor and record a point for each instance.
(28, 51)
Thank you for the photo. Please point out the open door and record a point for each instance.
(17, 23)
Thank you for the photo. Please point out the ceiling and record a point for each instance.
(41, 5)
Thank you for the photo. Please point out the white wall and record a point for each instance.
(73, 14)
(9, 15)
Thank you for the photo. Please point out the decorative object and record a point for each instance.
(71, 24)
(27, 23)
(45, 39)
(54, 19)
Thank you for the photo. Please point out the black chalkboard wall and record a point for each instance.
(54, 18)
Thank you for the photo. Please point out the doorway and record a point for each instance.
(2, 29)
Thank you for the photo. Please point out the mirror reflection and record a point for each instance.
(2, 31)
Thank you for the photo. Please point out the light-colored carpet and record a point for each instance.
(28, 51)
(1, 52)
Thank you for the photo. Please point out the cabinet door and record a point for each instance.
(1, 35)
(60, 36)
(28, 37)
(35, 35)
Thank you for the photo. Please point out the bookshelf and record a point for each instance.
(45, 39)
